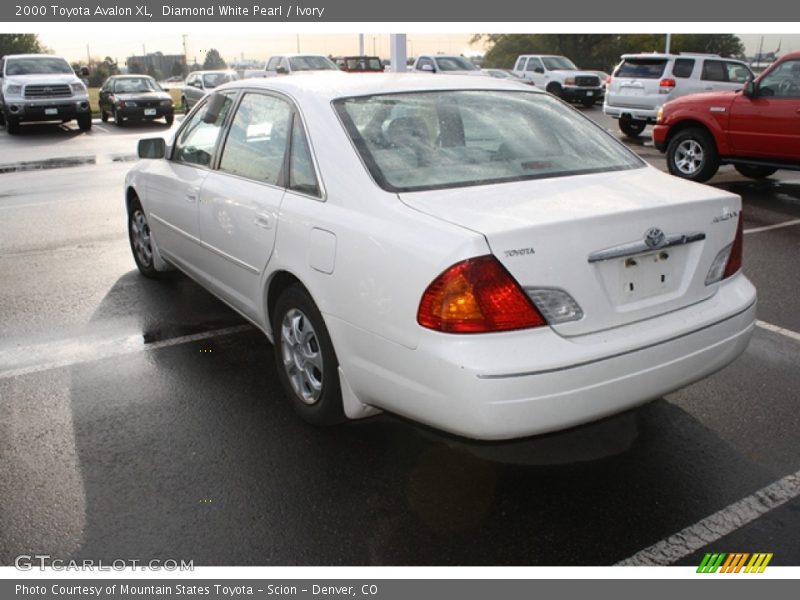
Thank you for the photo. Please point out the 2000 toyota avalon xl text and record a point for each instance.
(458, 250)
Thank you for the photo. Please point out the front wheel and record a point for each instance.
(307, 365)
(141, 241)
(754, 171)
(119, 120)
(12, 125)
(588, 102)
(103, 116)
(185, 105)
(555, 89)
(692, 154)
(632, 127)
(85, 122)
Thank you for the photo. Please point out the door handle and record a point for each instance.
(191, 194)
(263, 221)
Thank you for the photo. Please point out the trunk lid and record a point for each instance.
(545, 231)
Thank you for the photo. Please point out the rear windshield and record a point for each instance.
(454, 63)
(641, 68)
(431, 140)
(212, 80)
(364, 64)
(37, 65)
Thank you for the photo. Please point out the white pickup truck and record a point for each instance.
(559, 76)
(41, 87)
(287, 64)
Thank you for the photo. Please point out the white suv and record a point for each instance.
(641, 83)
(559, 76)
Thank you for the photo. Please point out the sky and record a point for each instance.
(259, 46)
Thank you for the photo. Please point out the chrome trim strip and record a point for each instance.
(625, 353)
(207, 246)
(228, 257)
(640, 247)
(174, 228)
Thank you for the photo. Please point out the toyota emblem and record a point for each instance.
(654, 237)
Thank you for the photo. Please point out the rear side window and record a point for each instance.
(683, 67)
(642, 68)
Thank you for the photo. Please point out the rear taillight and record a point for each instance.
(476, 296)
(735, 258)
(665, 86)
(728, 261)
(608, 80)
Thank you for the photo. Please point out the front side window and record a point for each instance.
(212, 80)
(737, 72)
(535, 63)
(714, 70)
(256, 144)
(782, 82)
(196, 141)
(419, 141)
(424, 61)
(554, 63)
(273, 63)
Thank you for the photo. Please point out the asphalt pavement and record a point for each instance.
(143, 419)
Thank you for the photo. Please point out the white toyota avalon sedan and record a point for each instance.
(461, 251)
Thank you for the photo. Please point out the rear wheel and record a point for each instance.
(185, 105)
(103, 116)
(755, 171)
(632, 127)
(588, 102)
(692, 154)
(2, 118)
(307, 365)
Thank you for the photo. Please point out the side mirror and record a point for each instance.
(281, 70)
(426, 67)
(152, 148)
(85, 72)
(197, 84)
(213, 107)
(538, 70)
(750, 89)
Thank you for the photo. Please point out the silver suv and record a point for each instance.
(641, 83)
(41, 87)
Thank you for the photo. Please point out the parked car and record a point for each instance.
(506, 74)
(559, 76)
(756, 128)
(461, 251)
(359, 64)
(41, 87)
(290, 64)
(641, 83)
(198, 84)
(449, 64)
(134, 97)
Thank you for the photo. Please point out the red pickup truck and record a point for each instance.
(756, 129)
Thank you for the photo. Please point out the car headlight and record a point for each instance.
(166, 103)
(14, 90)
(569, 81)
(78, 88)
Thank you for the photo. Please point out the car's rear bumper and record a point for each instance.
(500, 386)
(637, 114)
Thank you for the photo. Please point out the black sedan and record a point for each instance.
(134, 97)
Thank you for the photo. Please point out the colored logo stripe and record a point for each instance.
(734, 562)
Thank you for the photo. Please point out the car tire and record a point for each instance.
(755, 171)
(555, 90)
(169, 120)
(588, 102)
(85, 122)
(692, 154)
(12, 125)
(307, 365)
(103, 116)
(632, 127)
(2, 118)
(141, 242)
(119, 120)
(185, 105)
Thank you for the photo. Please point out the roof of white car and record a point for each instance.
(7, 56)
(329, 86)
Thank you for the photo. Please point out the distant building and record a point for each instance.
(157, 64)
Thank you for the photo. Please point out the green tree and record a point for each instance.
(20, 43)
(214, 60)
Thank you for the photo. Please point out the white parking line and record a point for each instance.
(100, 127)
(771, 227)
(73, 351)
(781, 330)
(718, 525)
